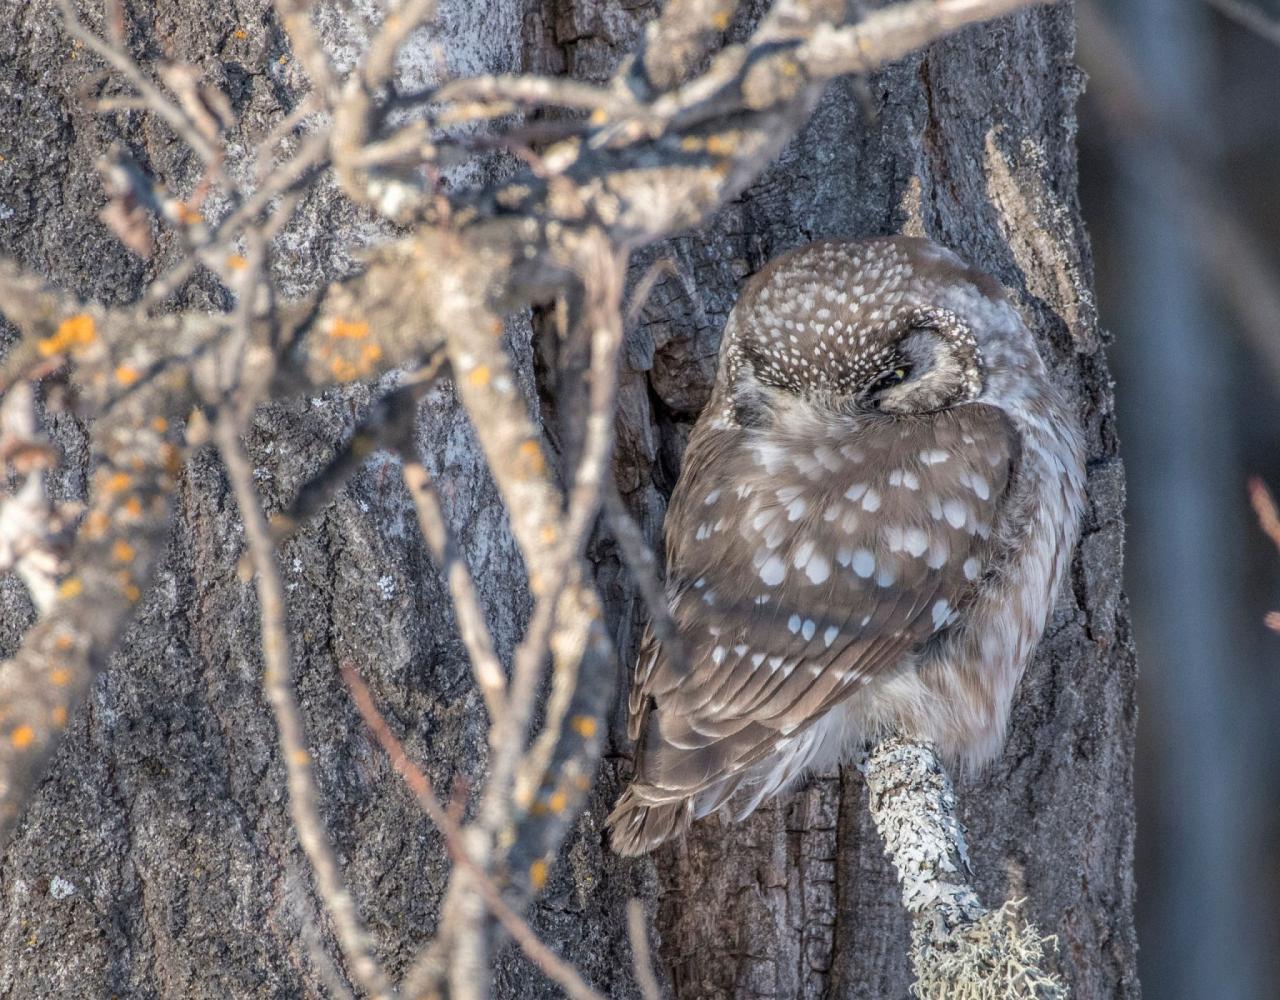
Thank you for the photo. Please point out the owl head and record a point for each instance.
(894, 326)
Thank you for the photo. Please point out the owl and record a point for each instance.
(874, 514)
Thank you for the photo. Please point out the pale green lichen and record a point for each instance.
(997, 957)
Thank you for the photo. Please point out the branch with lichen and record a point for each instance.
(959, 949)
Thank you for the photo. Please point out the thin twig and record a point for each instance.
(295, 16)
(603, 303)
(1264, 506)
(1250, 17)
(177, 119)
(353, 114)
(639, 559)
(641, 959)
(472, 627)
(1232, 259)
(558, 970)
(492, 96)
(297, 171)
(278, 685)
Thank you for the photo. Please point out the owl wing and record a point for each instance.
(804, 567)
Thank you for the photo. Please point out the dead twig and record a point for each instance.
(278, 685)
(1264, 508)
(1250, 17)
(177, 119)
(641, 959)
(559, 971)
(488, 671)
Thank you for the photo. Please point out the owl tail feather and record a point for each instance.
(637, 825)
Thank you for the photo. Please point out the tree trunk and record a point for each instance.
(158, 859)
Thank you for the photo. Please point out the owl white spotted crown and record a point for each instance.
(874, 515)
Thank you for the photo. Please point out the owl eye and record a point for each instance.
(888, 379)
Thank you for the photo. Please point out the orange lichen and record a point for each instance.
(76, 331)
(301, 757)
(719, 145)
(133, 508)
(159, 424)
(479, 375)
(348, 329)
(187, 215)
(531, 452)
(96, 524)
(720, 20)
(236, 263)
(70, 587)
(691, 144)
(346, 369)
(127, 375)
(59, 676)
(59, 715)
(132, 592)
(547, 534)
(117, 482)
(240, 34)
(584, 726)
(599, 116)
(23, 736)
(64, 642)
(538, 873)
(558, 801)
(122, 551)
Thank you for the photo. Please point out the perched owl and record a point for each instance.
(875, 512)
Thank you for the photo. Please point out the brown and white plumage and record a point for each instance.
(872, 519)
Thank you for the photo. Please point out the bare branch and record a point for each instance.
(295, 16)
(959, 948)
(602, 318)
(177, 119)
(466, 603)
(388, 424)
(679, 38)
(559, 971)
(643, 567)
(110, 562)
(40, 313)
(889, 33)
(352, 936)
(353, 115)
(34, 531)
(490, 96)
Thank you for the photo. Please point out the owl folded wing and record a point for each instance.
(801, 568)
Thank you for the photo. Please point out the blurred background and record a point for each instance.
(1180, 157)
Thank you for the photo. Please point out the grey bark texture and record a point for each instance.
(157, 860)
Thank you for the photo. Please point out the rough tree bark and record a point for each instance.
(158, 860)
